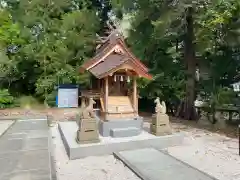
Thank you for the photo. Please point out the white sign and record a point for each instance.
(67, 97)
(236, 87)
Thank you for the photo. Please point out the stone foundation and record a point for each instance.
(108, 145)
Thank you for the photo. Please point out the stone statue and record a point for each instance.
(160, 107)
(160, 123)
(87, 125)
(87, 112)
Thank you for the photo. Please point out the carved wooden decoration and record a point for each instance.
(118, 50)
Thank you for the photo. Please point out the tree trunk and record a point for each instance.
(188, 111)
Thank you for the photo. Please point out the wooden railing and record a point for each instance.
(91, 93)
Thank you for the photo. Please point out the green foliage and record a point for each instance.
(9, 31)
(156, 49)
(43, 43)
(51, 98)
(6, 100)
(58, 37)
(158, 29)
(225, 96)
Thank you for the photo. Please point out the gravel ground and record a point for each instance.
(210, 152)
(4, 124)
(90, 168)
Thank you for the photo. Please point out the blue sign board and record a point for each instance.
(67, 96)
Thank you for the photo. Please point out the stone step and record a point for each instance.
(125, 132)
(115, 123)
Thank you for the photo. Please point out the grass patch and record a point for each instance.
(28, 102)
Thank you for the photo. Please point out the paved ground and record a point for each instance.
(24, 151)
(151, 164)
(4, 124)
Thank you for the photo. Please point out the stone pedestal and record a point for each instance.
(160, 125)
(87, 132)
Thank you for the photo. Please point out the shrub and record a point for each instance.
(6, 100)
(224, 96)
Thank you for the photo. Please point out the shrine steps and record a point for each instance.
(125, 132)
(121, 120)
(119, 106)
(122, 116)
(121, 127)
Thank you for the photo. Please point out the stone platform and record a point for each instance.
(108, 145)
(152, 164)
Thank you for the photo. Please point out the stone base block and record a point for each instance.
(87, 136)
(160, 130)
(160, 119)
(87, 141)
(106, 126)
(125, 132)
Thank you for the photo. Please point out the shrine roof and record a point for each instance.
(110, 62)
(112, 53)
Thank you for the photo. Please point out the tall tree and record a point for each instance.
(59, 36)
(192, 26)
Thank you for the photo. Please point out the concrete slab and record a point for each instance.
(28, 125)
(108, 145)
(28, 175)
(25, 151)
(24, 160)
(25, 144)
(31, 134)
(151, 164)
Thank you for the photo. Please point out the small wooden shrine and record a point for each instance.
(113, 84)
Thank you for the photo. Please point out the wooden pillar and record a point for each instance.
(98, 84)
(135, 98)
(106, 96)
